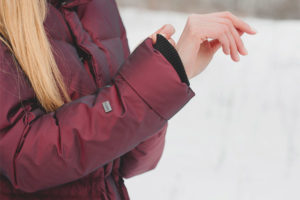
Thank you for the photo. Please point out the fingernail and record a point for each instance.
(254, 30)
(238, 58)
(168, 30)
(165, 28)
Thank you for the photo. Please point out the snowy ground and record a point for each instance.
(239, 137)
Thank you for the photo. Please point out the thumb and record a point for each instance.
(167, 31)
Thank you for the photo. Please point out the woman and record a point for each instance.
(79, 112)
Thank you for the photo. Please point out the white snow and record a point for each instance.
(239, 137)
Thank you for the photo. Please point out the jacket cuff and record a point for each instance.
(150, 74)
(171, 54)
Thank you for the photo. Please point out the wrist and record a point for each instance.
(186, 54)
(171, 54)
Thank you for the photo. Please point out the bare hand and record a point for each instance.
(223, 28)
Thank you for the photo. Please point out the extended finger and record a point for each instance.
(234, 32)
(233, 48)
(240, 32)
(240, 44)
(236, 35)
(215, 45)
(225, 44)
(237, 22)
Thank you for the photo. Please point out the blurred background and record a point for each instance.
(279, 9)
(239, 137)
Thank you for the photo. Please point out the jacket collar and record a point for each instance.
(68, 3)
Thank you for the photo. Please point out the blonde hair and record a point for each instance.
(21, 25)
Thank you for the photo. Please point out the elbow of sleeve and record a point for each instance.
(19, 183)
(28, 188)
(145, 157)
(137, 172)
(25, 181)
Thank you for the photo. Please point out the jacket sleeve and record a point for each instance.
(145, 156)
(40, 150)
(171, 54)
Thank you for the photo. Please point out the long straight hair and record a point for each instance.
(22, 29)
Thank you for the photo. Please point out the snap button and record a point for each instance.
(107, 106)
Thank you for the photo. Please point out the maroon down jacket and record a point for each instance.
(115, 126)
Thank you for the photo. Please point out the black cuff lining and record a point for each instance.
(171, 54)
